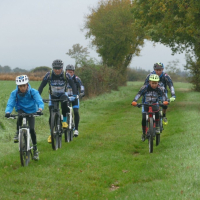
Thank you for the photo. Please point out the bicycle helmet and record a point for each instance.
(154, 77)
(57, 63)
(158, 65)
(70, 67)
(22, 79)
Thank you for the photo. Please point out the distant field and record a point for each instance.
(108, 160)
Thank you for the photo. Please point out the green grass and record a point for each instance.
(108, 160)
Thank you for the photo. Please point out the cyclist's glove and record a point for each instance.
(172, 99)
(7, 115)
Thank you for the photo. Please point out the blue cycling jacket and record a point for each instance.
(29, 103)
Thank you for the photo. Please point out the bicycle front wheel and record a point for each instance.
(24, 154)
(151, 133)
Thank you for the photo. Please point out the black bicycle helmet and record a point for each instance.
(57, 63)
(70, 67)
(158, 65)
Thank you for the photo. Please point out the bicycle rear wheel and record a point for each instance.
(54, 130)
(24, 154)
(151, 132)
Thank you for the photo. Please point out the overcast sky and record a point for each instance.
(34, 33)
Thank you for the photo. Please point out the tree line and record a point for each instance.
(118, 28)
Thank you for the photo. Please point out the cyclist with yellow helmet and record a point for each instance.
(151, 93)
(165, 80)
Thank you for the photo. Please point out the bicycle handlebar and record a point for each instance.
(25, 115)
(134, 103)
(69, 98)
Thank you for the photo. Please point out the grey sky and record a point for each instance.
(34, 33)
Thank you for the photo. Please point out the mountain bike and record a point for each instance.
(56, 123)
(69, 132)
(25, 142)
(150, 123)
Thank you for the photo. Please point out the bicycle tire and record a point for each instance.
(24, 154)
(53, 130)
(151, 132)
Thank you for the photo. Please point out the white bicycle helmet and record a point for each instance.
(22, 79)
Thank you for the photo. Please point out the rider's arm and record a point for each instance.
(162, 93)
(170, 84)
(80, 85)
(146, 82)
(38, 99)
(44, 82)
(11, 102)
(140, 93)
(71, 83)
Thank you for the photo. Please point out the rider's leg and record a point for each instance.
(19, 123)
(31, 121)
(165, 122)
(75, 105)
(65, 110)
(144, 127)
(76, 118)
(157, 122)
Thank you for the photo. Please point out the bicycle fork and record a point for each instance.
(27, 132)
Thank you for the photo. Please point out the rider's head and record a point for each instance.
(57, 66)
(153, 80)
(158, 68)
(70, 69)
(22, 82)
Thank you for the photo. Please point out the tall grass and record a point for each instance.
(108, 160)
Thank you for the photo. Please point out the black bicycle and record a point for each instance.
(56, 123)
(150, 123)
(25, 142)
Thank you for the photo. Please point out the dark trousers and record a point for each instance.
(31, 122)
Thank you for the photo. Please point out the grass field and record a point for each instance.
(108, 160)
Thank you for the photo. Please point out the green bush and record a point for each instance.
(99, 79)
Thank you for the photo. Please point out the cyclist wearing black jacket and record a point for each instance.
(58, 80)
(81, 91)
(165, 80)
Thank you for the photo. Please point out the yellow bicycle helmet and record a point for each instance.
(154, 77)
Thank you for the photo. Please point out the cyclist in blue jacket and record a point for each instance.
(57, 79)
(165, 80)
(80, 90)
(25, 100)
